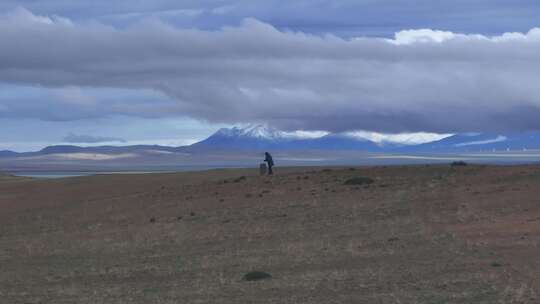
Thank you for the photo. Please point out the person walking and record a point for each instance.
(268, 159)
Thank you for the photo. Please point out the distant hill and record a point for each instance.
(480, 142)
(258, 138)
(61, 149)
(71, 149)
(6, 153)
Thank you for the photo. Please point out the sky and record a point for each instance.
(173, 72)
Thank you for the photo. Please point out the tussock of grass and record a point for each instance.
(256, 276)
(359, 180)
(240, 179)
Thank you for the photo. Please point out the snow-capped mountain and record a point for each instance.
(262, 137)
(252, 131)
(252, 137)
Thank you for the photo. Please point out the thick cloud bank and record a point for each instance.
(422, 80)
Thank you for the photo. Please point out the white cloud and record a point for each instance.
(421, 36)
(404, 138)
(483, 142)
(300, 134)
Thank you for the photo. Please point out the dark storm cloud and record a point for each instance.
(422, 80)
(90, 139)
(69, 103)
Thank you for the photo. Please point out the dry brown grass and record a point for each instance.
(418, 235)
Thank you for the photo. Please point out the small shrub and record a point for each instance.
(151, 290)
(240, 179)
(359, 181)
(459, 163)
(256, 276)
(495, 264)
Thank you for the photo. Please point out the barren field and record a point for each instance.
(416, 234)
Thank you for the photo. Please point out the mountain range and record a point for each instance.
(263, 138)
(258, 138)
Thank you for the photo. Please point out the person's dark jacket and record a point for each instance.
(268, 159)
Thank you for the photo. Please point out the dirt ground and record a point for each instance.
(417, 234)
